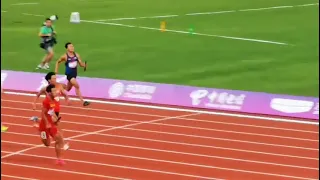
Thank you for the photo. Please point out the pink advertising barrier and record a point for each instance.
(169, 94)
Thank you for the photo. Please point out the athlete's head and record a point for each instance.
(51, 77)
(48, 22)
(51, 91)
(69, 46)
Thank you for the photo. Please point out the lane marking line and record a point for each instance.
(64, 171)
(185, 127)
(160, 116)
(17, 177)
(155, 149)
(100, 131)
(186, 175)
(179, 162)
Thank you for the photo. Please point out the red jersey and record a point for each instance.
(52, 106)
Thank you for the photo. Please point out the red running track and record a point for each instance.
(125, 142)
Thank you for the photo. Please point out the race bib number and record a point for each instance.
(73, 64)
(43, 135)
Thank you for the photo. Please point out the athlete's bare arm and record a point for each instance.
(63, 58)
(82, 64)
(65, 94)
(42, 91)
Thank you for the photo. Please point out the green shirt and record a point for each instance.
(46, 30)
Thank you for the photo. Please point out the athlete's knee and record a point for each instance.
(58, 138)
(64, 86)
(46, 142)
(74, 83)
(68, 87)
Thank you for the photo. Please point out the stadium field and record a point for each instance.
(253, 45)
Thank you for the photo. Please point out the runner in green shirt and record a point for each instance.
(48, 40)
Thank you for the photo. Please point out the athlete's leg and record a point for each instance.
(58, 145)
(44, 135)
(65, 144)
(69, 86)
(75, 84)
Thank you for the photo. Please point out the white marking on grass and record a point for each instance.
(186, 32)
(213, 12)
(202, 13)
(22, 4)
(259, 9)
(37, 15)
(304, 5)
(179, 109)
(134, 18)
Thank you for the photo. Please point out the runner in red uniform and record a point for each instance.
(61, 88)
(47, 126)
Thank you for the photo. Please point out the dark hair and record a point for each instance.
(49, 88)
(49, 75)
(67, 44)
(48, 19)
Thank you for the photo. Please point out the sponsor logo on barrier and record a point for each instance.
(291, 105)
(168, 94)
(214, 99)
(133, 91)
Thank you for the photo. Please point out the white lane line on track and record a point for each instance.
(171, 173)
(189, 164)
(17, 177)
(61, 170)
(160, 116)
(100, 131)
(188, 127)
(124, 167)
(131, 147)
(182, 143)
(239, 115)
(205, 137)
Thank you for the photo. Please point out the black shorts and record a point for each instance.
(70, 76)
(47, 46)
